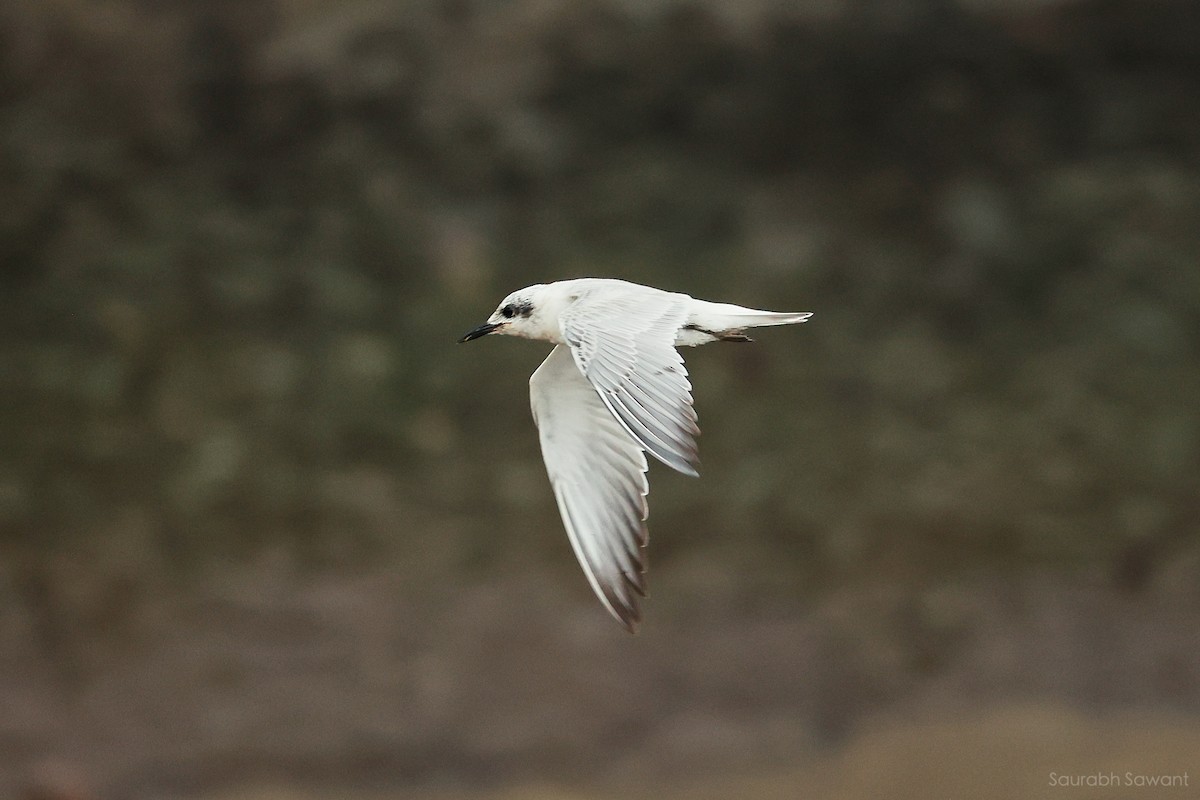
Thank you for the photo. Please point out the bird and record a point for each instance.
(613, 390)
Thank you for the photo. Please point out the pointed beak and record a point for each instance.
(475, 333)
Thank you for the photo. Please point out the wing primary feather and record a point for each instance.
(623, 608)
(648, 439)
(672, 420)
(598, 473)
(598, 520)
(632, 505)
(648, 442)
(683, 412)
(607, 552)
(661, 429)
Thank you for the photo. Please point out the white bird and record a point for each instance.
(613, 389)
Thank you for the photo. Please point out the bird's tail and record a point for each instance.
(723, 318)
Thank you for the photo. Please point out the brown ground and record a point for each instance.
(271, 683)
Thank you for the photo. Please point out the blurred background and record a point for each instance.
(266, 531)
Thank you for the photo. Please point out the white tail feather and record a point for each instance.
(723, 317)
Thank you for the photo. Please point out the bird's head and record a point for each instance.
(519, 314)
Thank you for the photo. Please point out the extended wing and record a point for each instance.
(599, 478)
(624, 344)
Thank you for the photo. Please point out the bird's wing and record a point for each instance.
(599, 477)
(624, 344)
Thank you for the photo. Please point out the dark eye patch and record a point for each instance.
(522, 308)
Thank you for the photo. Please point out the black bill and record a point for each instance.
(475, 333)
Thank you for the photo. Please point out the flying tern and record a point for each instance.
(613, 389)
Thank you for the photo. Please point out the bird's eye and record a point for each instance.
(508, 311)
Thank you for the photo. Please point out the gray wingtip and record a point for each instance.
(628, 614)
